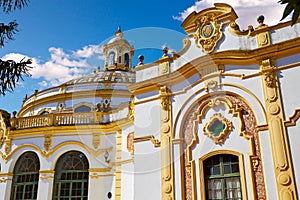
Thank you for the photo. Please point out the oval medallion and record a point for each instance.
(207, 30)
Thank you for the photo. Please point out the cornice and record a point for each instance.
(74, 95)
(232, 57)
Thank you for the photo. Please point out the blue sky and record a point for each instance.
(64, 37)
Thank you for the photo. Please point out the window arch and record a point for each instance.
(222, 177)
(111, 58)
(71, 177)
(126, 59)
(26, 177)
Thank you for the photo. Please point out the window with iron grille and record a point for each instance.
(26, 177)
(222, 178)
(71, 177)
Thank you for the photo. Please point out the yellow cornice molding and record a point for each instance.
(156, 63)
(150, 138)
(291, 121)
(232, 57)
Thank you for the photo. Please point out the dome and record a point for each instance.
(105, 76)
(118, 37)
(90, 90)
(105, 89)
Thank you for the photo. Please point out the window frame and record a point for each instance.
(70, 172)
(17, 172)
(203, 184)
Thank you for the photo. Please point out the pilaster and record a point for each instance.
(45, 186)
(167, 178)
(118, 173)
(279, 142)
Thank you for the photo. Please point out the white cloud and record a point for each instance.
(43, 84)
(62, 66)
(247, 11)
(88, 51)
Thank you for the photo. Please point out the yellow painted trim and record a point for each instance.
(6, 174)
(282, 162)
(71, 96)
(166, 150)
(262, 108)
(96, 176)
(150, 138)
(291, 121)
(46, 171)
(243, 58)
(218, 93)
(118, 164)
(52, 151)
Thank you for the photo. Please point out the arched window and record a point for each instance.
(26, 177)
(71, 177)
(83, 109)
(222, 177)
(126, 58)
(111, 58)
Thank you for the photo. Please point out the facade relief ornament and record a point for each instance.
(165, 99)
(7, 146)
(206, 26)
(48, 142)
(217, 128)
(96, 140)
(208, 33)
(131, 110)
(270, 79)
(130, 142)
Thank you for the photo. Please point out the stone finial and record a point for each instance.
(141, 60)
(260, 20)
(165, 51)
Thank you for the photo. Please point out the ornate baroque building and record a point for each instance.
(217, 120)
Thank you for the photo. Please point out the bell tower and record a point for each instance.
(118, 53)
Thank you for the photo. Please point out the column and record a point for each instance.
(278, 136)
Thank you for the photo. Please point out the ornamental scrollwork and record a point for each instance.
(208, 33)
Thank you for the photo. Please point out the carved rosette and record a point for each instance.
(208, 33)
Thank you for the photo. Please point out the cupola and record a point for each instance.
(118, 53)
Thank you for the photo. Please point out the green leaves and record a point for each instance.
(11, 72)
(292, 5)
(7, 32)
(10, 5)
